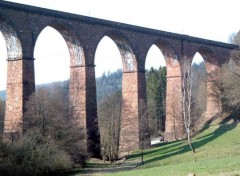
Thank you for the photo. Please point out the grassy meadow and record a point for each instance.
(217, 153)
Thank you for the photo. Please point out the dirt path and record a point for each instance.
(108, 169)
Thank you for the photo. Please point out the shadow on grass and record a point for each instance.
(165, 150)
(177, 151)
(217, 133)
(159, 148)
(181, 148)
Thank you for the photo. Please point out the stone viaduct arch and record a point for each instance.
(130, 102)
(21, 25)
(174, 127)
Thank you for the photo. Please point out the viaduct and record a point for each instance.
(21, 26)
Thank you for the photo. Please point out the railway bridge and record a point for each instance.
(21, 26)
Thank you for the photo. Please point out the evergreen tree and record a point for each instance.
(156, 96)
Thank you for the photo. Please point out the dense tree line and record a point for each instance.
(108, 83)
(156, 99)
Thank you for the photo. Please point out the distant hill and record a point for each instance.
(106, 84)
(63, 84)
(3, 95)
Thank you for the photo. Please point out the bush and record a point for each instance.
(230, 86)
(32, 154)
(52, 142)
(49, 113)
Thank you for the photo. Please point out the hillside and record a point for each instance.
(62, 84)
(217, 153)
(108, 83)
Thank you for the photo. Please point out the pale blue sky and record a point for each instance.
(210, 19)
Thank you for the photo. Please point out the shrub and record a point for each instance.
(32, 154)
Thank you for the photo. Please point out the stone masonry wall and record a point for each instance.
(129, 134)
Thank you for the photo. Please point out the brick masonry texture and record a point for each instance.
(21, 26)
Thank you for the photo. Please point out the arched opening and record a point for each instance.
(3, 66)
(108, 66)
(52, 73)
(3, 78)
(173, 128)
(156, 72)
(59, 101)
(52, 57)
(213, 90)
(58, 57)
(199, 88)
(109, 95)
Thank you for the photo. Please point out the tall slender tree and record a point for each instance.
(187, 101)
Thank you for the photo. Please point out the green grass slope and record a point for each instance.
(217, 153)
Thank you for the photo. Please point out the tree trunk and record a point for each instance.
(190, 143)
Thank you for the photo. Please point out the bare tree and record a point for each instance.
(187, 100)
(49, 114)
(199, 90)
(109, 112)
(231, 78)
(230, 84)
(2, 114)
(143, 130)
(174, 114)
